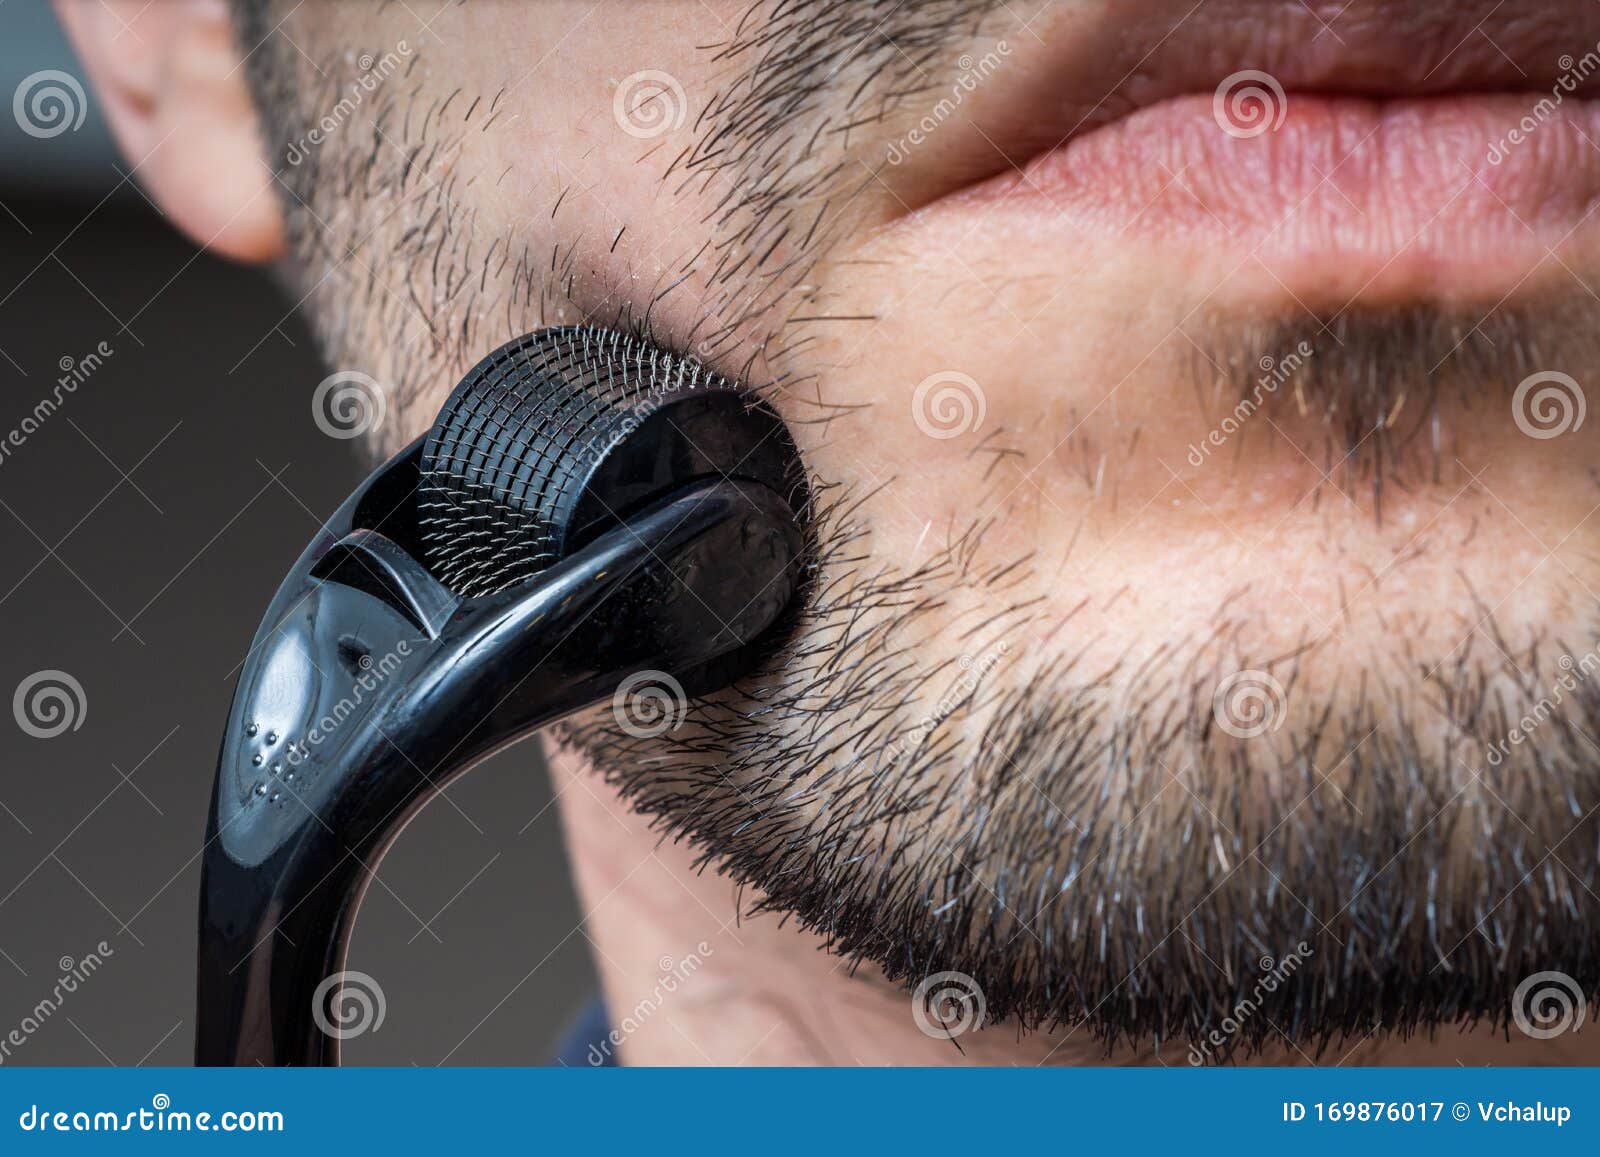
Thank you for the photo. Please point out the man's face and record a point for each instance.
(1194, 397)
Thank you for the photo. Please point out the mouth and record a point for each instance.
(1374, 151)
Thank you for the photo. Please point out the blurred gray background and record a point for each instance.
(143, 526)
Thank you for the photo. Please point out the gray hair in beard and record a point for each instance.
(1091, 845)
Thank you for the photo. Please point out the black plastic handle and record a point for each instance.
(370, 687)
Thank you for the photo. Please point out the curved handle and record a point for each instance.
(686, 587)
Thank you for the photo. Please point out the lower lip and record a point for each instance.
(1349, 194)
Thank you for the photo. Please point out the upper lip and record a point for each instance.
(1084, 72)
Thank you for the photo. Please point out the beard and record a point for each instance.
(1215, 840)
(1133, 852)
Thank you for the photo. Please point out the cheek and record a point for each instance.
(971, 391)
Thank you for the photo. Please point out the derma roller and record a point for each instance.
(586, 507)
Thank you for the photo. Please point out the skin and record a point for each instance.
(1041, 610)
